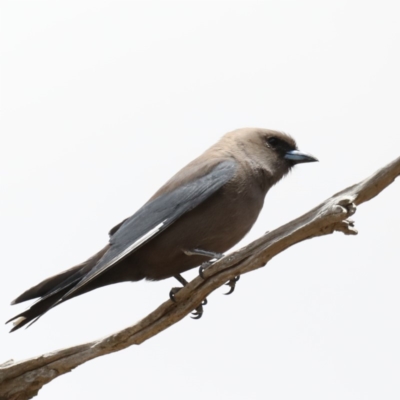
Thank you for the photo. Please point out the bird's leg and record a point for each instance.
(205, 253)
(198, 310)
(199, 252)
(175, 290)
(181, 279)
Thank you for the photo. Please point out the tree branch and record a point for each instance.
(23, 379)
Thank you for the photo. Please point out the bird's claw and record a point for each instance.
(203, 267)
(207, 264)
(232, 284)
(173, 292)
(198, 311)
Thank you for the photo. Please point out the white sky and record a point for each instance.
(102, 101)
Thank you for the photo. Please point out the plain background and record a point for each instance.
(102, 101)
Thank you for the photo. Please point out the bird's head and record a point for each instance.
(273, 151)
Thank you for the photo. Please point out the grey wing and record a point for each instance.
(155, 216)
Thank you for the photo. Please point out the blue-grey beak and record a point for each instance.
(298, 157)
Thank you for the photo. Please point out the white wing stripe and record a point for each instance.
(136, 244)
(133, 246)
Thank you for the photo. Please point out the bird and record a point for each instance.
(195, 217)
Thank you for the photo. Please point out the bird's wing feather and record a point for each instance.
(156, 215)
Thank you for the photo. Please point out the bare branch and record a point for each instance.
(23, 379)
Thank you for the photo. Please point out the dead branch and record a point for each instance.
(23, 379)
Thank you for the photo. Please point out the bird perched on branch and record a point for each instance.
(201, 212)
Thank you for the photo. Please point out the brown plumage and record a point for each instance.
(201, 212)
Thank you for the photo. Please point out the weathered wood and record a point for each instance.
(21, 380)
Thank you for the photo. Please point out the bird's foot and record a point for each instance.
(173, 292)
(207, 264)
(198, 311)
(232, 284)
(203, 267)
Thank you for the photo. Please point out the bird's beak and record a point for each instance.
(298, 157)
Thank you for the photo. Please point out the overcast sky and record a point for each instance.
(102, 101)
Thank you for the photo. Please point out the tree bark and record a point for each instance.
(21, 380)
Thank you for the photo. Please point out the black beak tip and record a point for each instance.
(297, 157)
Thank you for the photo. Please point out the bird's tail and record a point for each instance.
(51, 291)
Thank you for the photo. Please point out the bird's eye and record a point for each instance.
(273, 141)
